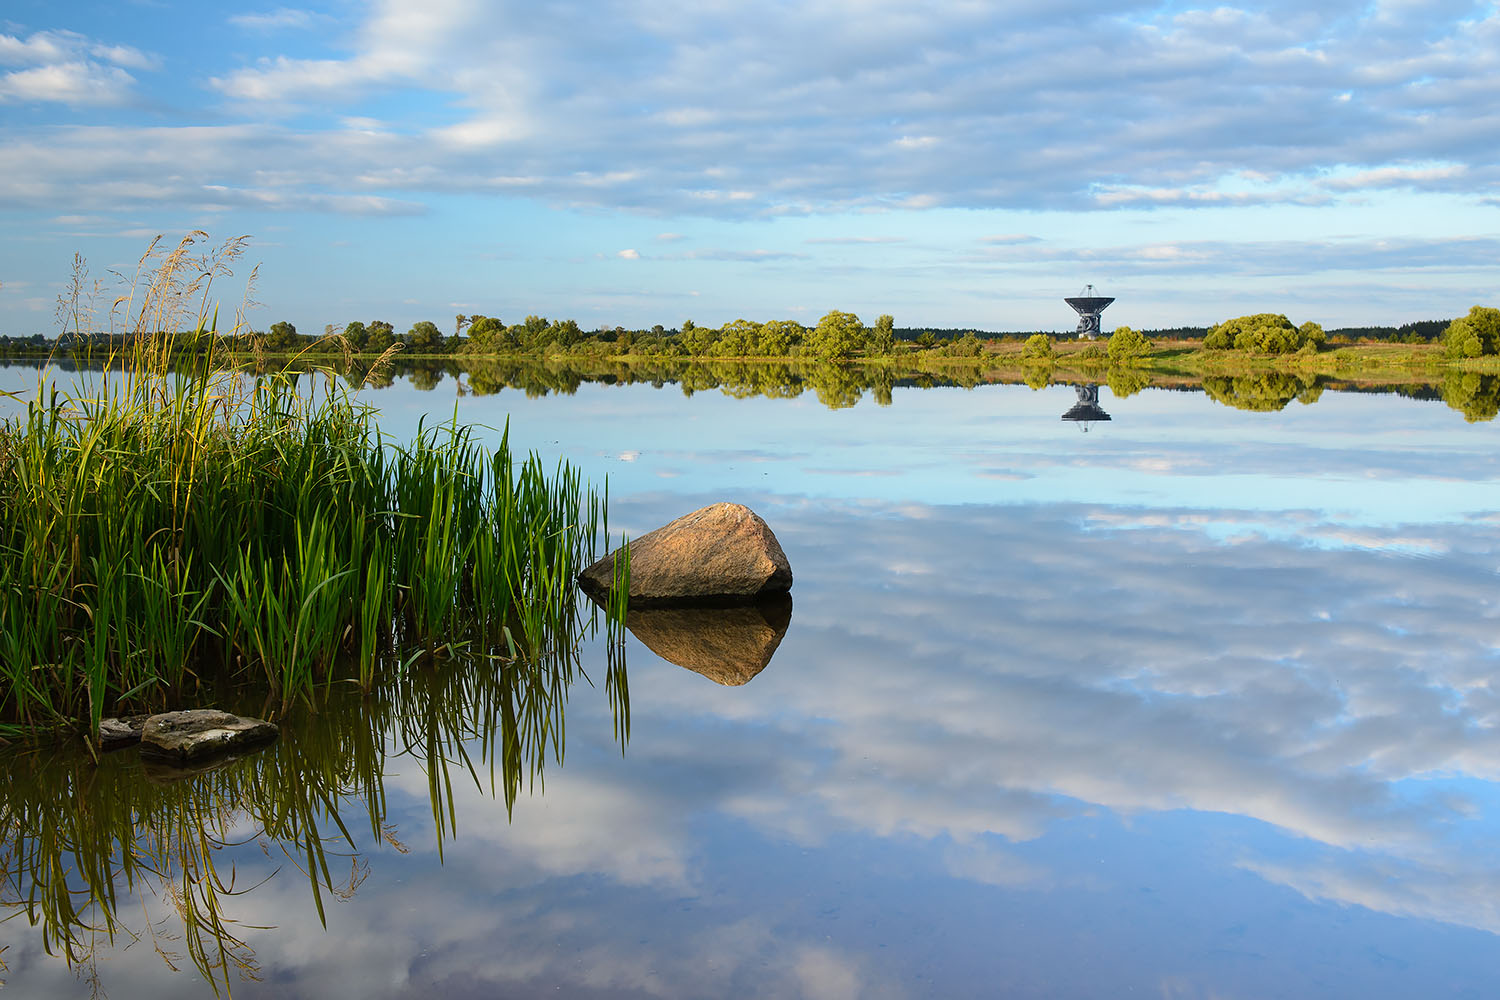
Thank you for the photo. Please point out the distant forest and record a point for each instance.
(1408, 333)
(838, 335)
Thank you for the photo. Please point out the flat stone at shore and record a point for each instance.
(117, 734)
(198, 733)
(722, 553)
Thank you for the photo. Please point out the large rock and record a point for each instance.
(728, 645)
(723, 553)
(202, 732)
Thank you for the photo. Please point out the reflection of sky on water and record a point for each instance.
(1198, 704)
(1369, 457)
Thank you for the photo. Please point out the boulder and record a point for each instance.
(722, 553)
(202, 732)
(728, 645)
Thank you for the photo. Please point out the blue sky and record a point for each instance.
(965, 164)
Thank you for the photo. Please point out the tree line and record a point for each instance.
(836, 336)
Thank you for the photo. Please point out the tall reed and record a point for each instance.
(163, 525)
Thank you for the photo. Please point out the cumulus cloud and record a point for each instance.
(1260, 257)
(65, 67)
(732, 110)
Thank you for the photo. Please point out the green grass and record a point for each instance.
(165, 525)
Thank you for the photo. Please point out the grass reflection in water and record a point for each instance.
(89, 847)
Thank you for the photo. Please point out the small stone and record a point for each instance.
(722, 553)
(117, 734)
(202, 732)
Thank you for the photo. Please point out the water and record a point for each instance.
(1195, 704)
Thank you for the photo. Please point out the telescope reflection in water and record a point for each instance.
(1087, 409)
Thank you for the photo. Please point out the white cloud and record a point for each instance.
(67, 83)
(68, 68)
(738, 113)
(274, 20)
(284, 79)
(629, 255)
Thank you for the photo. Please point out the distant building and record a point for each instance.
(1088, 306)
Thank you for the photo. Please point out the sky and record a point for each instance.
(961, 164)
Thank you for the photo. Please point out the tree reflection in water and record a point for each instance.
(838, 386)
(83, 840)
(1263, 391)
(1474, 395)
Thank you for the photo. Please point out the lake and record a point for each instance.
(1193, 702)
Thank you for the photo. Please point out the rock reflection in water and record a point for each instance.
(728, 645)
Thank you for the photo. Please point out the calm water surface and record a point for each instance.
(1197, 703)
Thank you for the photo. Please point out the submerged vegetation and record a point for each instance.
(171, 526)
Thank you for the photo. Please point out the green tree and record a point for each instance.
(778, 336)
(837, 336)
(486, 335)
(967, 346)
(1038, 345)
(357, 335)
(883, 335)
(1266, 333)
(381, 336)
(424, 337)
(282, 337)
(739, 339)
(564, 333)
(1127, 345)
(1473, 335)
(698, 340)
(534, 335)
